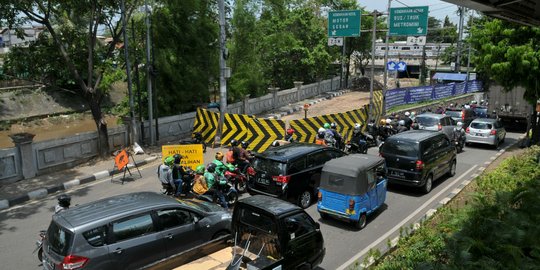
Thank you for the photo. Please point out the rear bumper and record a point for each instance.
(491, 140)
(417, 181)
(336, 214)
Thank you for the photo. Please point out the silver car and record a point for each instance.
(436, 122)
(485, 131)
(130, 231)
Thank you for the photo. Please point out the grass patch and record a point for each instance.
(495, 225)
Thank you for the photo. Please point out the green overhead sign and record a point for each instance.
(408, 21)
(344, 23)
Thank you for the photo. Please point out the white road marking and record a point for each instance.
(399, 225)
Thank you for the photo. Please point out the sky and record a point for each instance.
(438, 9)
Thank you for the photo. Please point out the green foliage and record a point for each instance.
(497, 231)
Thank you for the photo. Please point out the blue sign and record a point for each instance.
(391, 66)
(401, 66)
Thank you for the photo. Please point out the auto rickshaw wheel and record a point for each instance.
(362, 221)
(324, 215)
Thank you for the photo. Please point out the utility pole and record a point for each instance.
(222, 72)
(423, 71)
(460, 37)
(373, 44)
(149, 76)
(342, 83)
(385, 88)
(138, 82)
(134, 135)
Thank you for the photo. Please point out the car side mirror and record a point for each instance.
(195, 220)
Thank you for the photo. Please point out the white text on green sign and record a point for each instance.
(344, 23)
(408, 21)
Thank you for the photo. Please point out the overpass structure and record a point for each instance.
(526, 12)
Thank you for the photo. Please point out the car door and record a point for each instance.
(372, 190)
(303, 245)
(429, 157)
(135, 242)
(448, 125)
(315, 162)
(380, 173)
(442, 155)
(178, 230)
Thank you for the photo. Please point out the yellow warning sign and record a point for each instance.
(192, 154)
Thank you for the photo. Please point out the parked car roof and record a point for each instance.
(111, 206)
(289, 151)
(414, 135)
(272, 205)
(351, 165)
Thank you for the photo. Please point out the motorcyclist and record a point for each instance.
(337, 137)
(213, 182)
(199, 182)
(64, 201)
(164, 172)
(220, 166)
(234, 152)
(401, 126)
(407, 119)
(244, 156)
(415, 125)
(178, 174)
(320, 137)
(329, 135)
(289, 135)
(389, 129)
(358, 138)
(459, 132)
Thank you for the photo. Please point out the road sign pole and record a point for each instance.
(373, 40)
(343, 51)
(385, 88)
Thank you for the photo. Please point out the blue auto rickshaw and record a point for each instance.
(352, 187)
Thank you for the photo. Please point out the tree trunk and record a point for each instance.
(101, 124)
(535, 134)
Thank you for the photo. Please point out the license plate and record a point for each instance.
(263, 181)
(398, 174)
(479, 134)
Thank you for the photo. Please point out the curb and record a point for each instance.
(44, 192)
(430, 212)
(296, 108)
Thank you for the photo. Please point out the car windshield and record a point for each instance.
(59, 239)
(480, 111)
(271, 167)
(256, 220)
(453, 113)
(427, 121)
(481, 125)
(401, 148)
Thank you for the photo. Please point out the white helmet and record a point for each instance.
(459, 125)
(321, 130)
(407, 113)
(401, 122)
(388, 121)
(357, 126)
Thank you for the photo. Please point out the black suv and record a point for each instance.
(418, 157)
(291, 171)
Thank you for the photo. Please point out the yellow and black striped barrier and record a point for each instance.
(235, 126)
(206, 122)
(262, 132)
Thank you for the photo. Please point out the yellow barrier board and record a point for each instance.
(192, 154)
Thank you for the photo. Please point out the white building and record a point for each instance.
(8, 37)
(411, 54)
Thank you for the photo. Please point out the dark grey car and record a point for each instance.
(437, 122)
(129, 231)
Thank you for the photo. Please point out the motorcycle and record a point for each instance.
(196, 138)
(240, 179)
(459, 141)
(187, 183)
(228, 190)
(39, 245)
(356, 148)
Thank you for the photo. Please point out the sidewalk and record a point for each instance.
(41, 186)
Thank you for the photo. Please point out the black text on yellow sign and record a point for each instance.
(192, 154)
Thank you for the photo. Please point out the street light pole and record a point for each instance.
(386, 56)
(134, 135)
(149, 76)
(222, 71)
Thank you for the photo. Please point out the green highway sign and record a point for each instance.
(344, 23)
(408, 21)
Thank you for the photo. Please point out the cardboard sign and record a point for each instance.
(192, 154)
(121, 160)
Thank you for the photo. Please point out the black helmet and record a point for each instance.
(211, 168)
(234, 142)
(333, 125)
(64, 200)
(244, 144)
(320, 135)
(177, 158)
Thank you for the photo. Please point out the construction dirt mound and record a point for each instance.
(363, 84)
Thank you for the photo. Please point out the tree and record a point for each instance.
(72, 27)
(509, 54)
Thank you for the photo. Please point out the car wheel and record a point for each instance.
(428, 185)
(502, 141)
(362, 221)
(452, 170)
(40, 254)
(304, 200)
(496, 145)
(324, 215)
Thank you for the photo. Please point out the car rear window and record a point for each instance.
(271, 167)
(59, 239)
(257, 220)
(453, 113)
(480, 111)
(480, 125)
(427, 121)
(401, 148)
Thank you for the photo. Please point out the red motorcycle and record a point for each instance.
(240, 179)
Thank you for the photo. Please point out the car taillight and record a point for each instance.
(493, 132)
(419, 165)
(351, 204)
(467, 130)
(319, 196)
(251, 171)
(462, 116)
(439, 126)
(71, 262)
(381, 154)
(282, 179)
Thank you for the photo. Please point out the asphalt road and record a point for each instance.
(19, 226)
